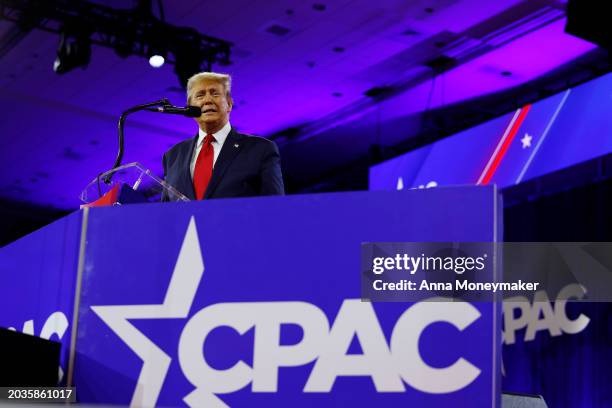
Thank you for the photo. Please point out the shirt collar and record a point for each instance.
(220, 136)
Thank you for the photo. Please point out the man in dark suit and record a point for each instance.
(220, 162)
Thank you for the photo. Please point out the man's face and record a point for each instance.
(211, 98)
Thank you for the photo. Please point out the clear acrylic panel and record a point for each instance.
(137, 183)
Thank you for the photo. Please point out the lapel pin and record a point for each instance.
(236, 145)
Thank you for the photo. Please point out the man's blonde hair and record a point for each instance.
(223, 79)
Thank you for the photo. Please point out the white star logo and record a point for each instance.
(177, 303)
(526, 140)
(400, 184)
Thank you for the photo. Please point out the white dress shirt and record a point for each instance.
(217, 144)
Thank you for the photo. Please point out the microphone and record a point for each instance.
(189, 111)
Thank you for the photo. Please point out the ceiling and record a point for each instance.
(304, 88)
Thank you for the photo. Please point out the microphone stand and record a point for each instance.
(122, 118)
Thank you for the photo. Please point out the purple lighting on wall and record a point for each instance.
(530, 57)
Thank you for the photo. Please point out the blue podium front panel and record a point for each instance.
(38, 275)
(256, 302)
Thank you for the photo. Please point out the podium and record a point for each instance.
(255, 302)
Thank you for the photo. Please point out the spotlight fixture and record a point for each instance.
(129, 32)
(157, 60)
(190, 58)
(74, 50)
(123, 46)
(157, 55)
(157, 49)
(187, 65)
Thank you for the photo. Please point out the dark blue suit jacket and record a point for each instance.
(246, 166)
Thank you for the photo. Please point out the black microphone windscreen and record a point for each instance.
(193, 111)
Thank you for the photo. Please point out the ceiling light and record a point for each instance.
(157, 48)
(74, 50)
(129, 32)
(157, 60)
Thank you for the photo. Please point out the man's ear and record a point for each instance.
(230, 104)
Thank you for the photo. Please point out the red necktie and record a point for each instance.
(203, 167)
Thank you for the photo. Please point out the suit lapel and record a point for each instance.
(188, 189)
(230, 149)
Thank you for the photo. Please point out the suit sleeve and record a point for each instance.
(271, 175)
(164, 196)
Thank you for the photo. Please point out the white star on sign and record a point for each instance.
(526, 140)
(400, 184)
(177, 303)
